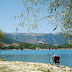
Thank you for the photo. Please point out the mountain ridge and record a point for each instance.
(36, 38)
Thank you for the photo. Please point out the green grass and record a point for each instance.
(2, 59)
(43, 70)
(48, 70)
(5, 69)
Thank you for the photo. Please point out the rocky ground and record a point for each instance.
(15, 66)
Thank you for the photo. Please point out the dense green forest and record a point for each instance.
(47, 46)
(25, 45)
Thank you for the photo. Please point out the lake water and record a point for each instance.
(37, 56)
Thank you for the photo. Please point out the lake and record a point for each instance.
(41, 56)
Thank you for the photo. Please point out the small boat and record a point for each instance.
(55, 58)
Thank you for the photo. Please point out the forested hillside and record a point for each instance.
(35, 38)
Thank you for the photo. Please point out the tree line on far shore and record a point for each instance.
(25, 45)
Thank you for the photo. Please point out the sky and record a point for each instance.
(8, 9)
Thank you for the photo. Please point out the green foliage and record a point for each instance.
(1, 35)
(4, 60)
(56, 12)
(6, 69)
(1, 45)
(27, 45)
(65, 46)
(47, 46)
(11, 47)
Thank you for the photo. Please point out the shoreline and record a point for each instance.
(18, 66)
(39, 49)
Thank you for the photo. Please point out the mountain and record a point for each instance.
(35, 38)
(8, 40)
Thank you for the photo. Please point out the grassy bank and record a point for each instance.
(6, 66)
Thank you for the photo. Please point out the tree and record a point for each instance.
(1, 35)
(55, 12)
(1, 45)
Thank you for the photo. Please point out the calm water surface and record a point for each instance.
(36, 56)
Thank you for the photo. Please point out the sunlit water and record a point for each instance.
(41, 56)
